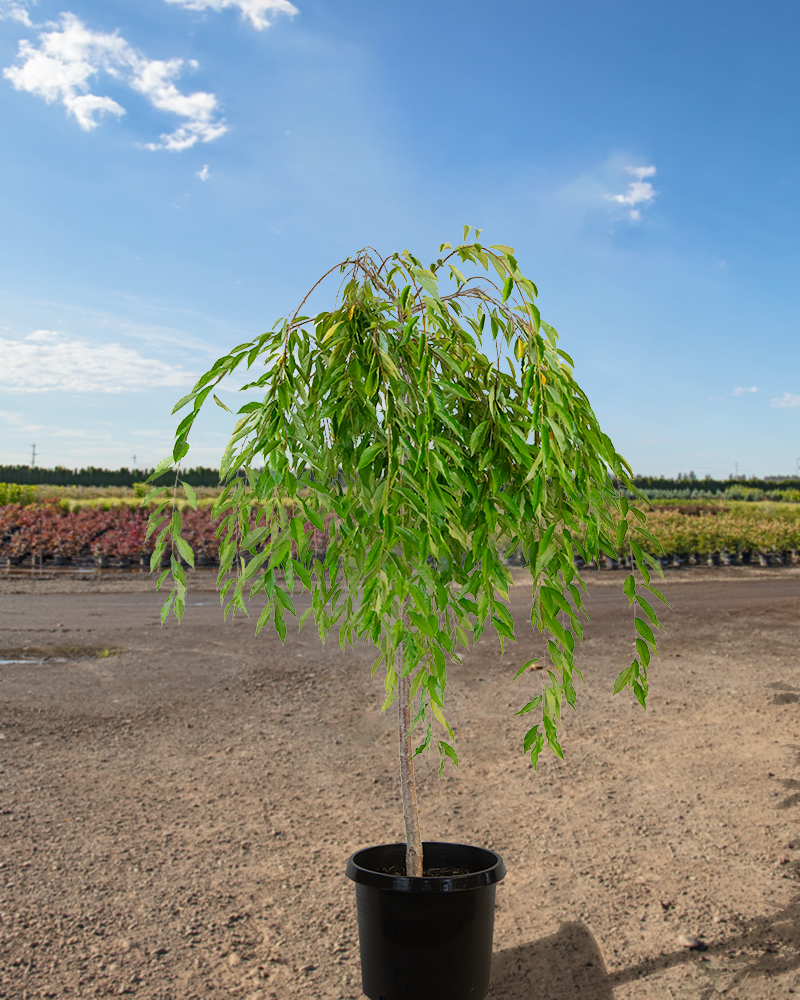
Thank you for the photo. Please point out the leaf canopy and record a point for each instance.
(384, 418)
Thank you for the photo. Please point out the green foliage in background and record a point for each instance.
(16, 493)
(433, 457)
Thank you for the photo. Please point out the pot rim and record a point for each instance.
(490, 875)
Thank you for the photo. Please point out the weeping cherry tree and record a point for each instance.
(429, 459)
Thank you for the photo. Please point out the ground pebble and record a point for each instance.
(689, 941)
(233, 959)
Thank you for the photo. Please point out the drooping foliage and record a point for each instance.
(435, 459)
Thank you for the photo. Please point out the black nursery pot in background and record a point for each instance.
(426, 938)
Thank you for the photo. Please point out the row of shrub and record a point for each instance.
(731, 530)
(76, 496)
(117, 533)
(51, 532)
(17, 493)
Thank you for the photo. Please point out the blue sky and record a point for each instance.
(176, 174)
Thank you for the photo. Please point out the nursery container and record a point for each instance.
(426, 938)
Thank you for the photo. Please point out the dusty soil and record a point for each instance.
(175, 818)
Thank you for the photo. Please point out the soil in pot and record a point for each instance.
(442, 872)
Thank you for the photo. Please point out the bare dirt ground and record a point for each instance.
(175, 818)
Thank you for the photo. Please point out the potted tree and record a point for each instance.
(383, 416)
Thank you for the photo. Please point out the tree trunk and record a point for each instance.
(410, 813)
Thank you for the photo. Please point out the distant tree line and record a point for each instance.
(691, 482)
(26, 475)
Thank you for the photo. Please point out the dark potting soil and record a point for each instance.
(399, 870)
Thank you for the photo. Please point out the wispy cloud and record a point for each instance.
(638, 192)
(742, 390)
(45, 361)
(255, 11)
(203, 173)
(71, 55)
(787, 400)
(16, 10)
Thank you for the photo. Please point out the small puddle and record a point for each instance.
(16, 655)
(59, 659)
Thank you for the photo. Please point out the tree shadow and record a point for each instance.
(569, 964)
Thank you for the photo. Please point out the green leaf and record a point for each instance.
(622, 531)
(160, 469)
(219, 402)
(446, 750)
(152, 494)
(167, 605)
(263, 618)
(508, 287)
(182, 402)
(658, 594)
(185, 550)
(180, 449)
(285, 600)
(427, 279)
(370, 453)
(645, 631)
(625, 677)
(425, 743)
(252, 538)
(525, 666)
(478, 435)
(640, 693)
(155, 557)
(191, 496)
(530, 706)
(530, 738)
(648, 610)
(629, 587)
(313, 517)
(255, 564)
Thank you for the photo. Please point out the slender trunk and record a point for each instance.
(410, 813)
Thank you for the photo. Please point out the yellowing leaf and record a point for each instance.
(440, 718)
(335, 327)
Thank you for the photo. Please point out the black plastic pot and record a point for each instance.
(426, 938)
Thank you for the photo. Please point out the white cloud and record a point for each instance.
(255, 10)
(203, 174)
(16, 10)
(45, 360)
(71, 55)
(639, 191)
(740, 390)
(787, 400)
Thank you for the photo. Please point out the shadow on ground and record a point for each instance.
(569, 965)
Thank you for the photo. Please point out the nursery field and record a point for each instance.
(179, 802)
(111, 531)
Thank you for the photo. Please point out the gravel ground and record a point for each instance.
(177, 804)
